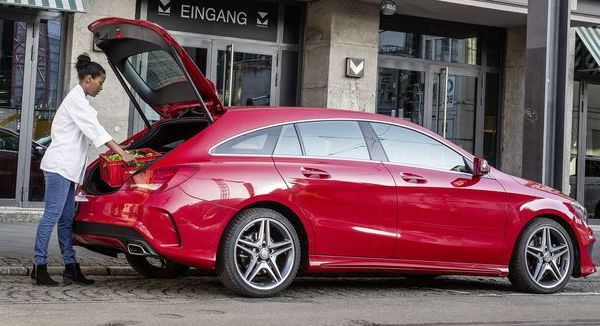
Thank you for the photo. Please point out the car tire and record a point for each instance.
(155, 267)
(260, 253)
(539, 265)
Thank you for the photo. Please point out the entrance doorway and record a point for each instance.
(444, 99)
(245, 74)
(584, 167)
(30, 86)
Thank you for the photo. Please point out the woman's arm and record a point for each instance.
(126, 156)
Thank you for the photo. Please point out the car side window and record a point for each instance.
(288, 143)
(342, 139)
(260, 142)
(406, 146)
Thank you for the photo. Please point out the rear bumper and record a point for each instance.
(170, 224)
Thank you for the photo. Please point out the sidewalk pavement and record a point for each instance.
(17, 235)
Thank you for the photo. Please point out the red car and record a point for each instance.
(261, 194)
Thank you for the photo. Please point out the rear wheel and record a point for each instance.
(543, 258)
(259, 254)
(155, 267)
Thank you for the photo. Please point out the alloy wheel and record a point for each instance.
(547, 257)
(264, 253)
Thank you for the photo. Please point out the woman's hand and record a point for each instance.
(125, 155)
(128, 158)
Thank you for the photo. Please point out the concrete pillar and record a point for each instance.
(514, 101)
(335, 30)
(112, 103)
(545, 91)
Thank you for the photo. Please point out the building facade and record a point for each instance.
(469, 70)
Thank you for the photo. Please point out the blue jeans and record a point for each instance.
(60, 208)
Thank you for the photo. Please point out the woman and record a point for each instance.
(74, 126)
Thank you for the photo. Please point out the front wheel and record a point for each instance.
(259, 254)
(155, 267)
(543, 258)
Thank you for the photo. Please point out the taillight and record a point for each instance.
(160, 179)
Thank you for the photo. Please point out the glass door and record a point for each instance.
(585, 147)
(245, 75)
(401, 93)
(454, 106)
(15, 39)
(30, 82)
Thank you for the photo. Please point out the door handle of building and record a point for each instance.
(412, 178)
(314, 173)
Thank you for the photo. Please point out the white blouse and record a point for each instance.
(74, 125)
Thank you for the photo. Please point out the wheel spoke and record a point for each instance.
(544, 239)
(555, 270)
(267, 233)
(548, 239)
(270, 271)
(536, 252)
(283, 246)
(261, 232)
(255, 269)
(248, 250)
(559, 254)
(275, 268)
(539, 272)
(248, 243)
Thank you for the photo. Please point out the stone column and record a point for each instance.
(514, 101)
(335, 30)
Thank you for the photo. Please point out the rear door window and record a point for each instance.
(288, 143)
(340, 139)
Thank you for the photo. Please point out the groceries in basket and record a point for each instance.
(114, 171)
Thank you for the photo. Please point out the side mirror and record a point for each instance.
(480, 167)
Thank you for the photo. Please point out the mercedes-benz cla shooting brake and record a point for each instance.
(261, 194)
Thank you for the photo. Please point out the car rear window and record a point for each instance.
(260, 142)
(161, 69)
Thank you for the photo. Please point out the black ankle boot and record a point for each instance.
(40, 276)
(73, 274)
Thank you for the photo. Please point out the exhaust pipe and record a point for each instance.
(136, 249)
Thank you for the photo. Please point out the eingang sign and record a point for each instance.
(245, 19)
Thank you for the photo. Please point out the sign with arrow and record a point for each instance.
(355, 67)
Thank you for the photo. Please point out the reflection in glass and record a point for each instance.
(429, 47)
(574, 141)
(46, 100)
(251, 84)
(405, 146)
(458, 115)
(12, 67)
(342, 139)
(199, 55)
(592, 157)
(400, 94)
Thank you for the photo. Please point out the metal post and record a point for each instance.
(445, 97)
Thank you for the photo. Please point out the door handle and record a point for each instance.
(412, 178)
(314, 173)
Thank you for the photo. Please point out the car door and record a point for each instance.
(445, 214)
(350, 199)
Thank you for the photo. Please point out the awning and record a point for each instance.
(61, 5)
(587, 51)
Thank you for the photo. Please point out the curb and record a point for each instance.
(58, 270)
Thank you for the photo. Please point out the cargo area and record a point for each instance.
(163, 138)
